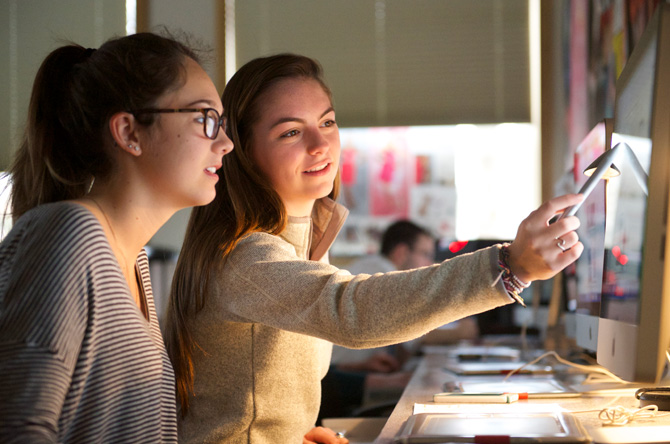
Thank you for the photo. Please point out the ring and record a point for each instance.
(560, 244)
(339, 435)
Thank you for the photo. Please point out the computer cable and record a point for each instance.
(585, 368)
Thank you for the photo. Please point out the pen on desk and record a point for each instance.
(484, 398)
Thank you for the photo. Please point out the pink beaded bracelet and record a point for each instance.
(512, 283)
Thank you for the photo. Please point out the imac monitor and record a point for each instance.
(634, 326)
(589, 267)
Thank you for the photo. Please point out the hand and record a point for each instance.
(535, 253)
(381, 362)
(323, 435)
(380, 381)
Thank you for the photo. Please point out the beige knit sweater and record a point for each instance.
(266, 333)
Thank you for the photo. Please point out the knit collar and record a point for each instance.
(316, 233)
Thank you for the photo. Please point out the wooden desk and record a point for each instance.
(430, 377)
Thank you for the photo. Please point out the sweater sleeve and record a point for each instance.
(42, 322)
(263, 281)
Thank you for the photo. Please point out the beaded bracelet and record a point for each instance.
(512, 283)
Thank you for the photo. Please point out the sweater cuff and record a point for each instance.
(499, 273)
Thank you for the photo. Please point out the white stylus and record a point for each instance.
(605, 161)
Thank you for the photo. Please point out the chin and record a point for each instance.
(202, 199)
(326, 191)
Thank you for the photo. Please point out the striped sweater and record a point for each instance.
(79, 361)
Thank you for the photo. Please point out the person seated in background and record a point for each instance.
(361, 376)
(404, 245)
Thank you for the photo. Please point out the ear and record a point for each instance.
(123, 126)
(399, 255)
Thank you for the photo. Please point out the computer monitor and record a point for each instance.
(589, 267)
(634, 326)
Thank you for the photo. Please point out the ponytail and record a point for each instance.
(46, 169)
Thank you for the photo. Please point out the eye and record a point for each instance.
(329, 122)
(291, 133)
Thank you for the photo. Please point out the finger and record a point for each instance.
(324, 435)
(558, 204)
(566, 241)
(390, 361)
(569, 256)
(563, 226)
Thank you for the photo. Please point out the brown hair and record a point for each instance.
(245, 202)
(76, 91)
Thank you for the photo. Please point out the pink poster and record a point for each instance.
(390, 169)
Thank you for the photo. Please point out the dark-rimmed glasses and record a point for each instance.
(211, 123)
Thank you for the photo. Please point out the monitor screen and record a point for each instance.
(634, 326)
(589, 267)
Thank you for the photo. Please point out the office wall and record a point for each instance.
(555, 152)
(200, 19)
(29, 30)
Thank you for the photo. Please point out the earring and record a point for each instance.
(137, 148)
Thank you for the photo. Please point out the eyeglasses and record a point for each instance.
(211, 122)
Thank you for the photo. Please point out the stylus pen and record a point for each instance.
(548, 395)
(500, 398)
(484, 398)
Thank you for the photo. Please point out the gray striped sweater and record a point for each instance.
(79, 361)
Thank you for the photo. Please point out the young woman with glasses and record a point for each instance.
(255, 305)
(117, 140)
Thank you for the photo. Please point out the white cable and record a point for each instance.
(586, 368)
(621, 416)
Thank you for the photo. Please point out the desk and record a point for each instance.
(430, 376)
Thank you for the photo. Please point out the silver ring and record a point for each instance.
(560, 244)
(339, 435)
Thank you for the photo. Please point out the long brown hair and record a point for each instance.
(245, 202)
(76, 91)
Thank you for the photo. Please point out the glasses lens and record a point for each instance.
(211, 123)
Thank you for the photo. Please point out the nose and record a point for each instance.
(222, 142)
(317, 143)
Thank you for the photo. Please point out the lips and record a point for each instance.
(318, 169)
(212, 169)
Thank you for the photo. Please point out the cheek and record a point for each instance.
(336, 148)
(261, 161)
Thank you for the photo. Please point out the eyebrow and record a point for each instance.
(297, 119)
(196, 103)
